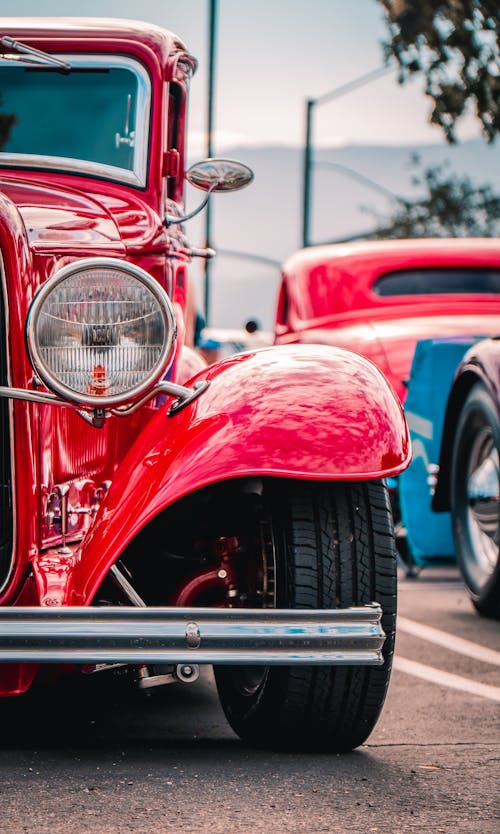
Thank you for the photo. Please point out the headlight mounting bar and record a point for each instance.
(96, 416)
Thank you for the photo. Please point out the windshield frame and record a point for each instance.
(137, 176)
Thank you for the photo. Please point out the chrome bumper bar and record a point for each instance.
(263, 636)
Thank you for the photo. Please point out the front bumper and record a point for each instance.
(348, 636)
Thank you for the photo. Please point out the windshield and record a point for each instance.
(93, 119)
(437, 281)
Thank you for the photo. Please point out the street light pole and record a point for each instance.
(210, 122)
(306, 222)
(308, 144)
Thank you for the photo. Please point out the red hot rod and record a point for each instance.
(379, 298)
(157, 513)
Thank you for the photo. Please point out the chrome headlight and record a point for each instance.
(100, 332)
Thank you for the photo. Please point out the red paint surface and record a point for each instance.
(327, 297)
(313, 413)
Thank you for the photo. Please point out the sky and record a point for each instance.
(271, 56)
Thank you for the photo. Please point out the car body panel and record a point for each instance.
(449, 496)
(327, 295)
(428, 534)
(283, 412)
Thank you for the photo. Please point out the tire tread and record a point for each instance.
(339, 550)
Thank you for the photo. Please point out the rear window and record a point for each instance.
(438, 282)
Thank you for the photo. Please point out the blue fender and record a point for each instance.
(429, 534)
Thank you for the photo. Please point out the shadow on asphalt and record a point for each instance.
(90, 710)
(75, 718)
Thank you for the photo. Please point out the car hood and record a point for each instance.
(56, 216)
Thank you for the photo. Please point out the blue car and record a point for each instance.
(449, 498)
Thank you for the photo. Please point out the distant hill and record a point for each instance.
(266, 218)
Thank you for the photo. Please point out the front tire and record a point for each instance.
(475, 504)
(333, 548)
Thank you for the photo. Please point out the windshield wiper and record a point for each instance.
(31, 55)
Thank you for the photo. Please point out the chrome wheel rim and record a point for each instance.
(482, 506)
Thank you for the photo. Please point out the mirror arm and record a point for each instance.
(172, 220)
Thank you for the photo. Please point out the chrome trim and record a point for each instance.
(33, 396)
(432, 477)
(481, 521)
(187, 672)
(136, 177)
(184, 397)
(217, 174)
(181, 673)
(173, 220)
(3, 282)
(95, 418)
(122, 582)
(274, 637)
(94, 401)
(484, 482)
(66, 165)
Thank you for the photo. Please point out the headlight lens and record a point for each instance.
(100, 332)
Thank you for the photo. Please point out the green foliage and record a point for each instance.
(456, 45)
(450, 206)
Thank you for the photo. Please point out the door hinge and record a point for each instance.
(171, 159)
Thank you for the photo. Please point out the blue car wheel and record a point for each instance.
(475, 497)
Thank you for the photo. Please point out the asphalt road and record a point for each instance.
(106, 762)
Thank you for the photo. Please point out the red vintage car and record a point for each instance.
(468, 483)
(380, 298)
(157, 513)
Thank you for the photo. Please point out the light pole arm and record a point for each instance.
(308, 161)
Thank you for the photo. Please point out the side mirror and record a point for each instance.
(219, 175)
(214, 175)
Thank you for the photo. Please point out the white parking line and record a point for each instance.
(437, 676)
(449, 641)
(426, 587)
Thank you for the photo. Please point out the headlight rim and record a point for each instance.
(92, 400)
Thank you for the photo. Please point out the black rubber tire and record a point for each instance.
(478, 424)
(335, 548)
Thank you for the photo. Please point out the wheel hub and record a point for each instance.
(483, 500)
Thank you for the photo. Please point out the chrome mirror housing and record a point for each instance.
(213, 175)
(219, 175)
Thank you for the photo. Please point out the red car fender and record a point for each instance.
(310, 412)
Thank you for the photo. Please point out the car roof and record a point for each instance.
(424, 251)
(57, 33)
